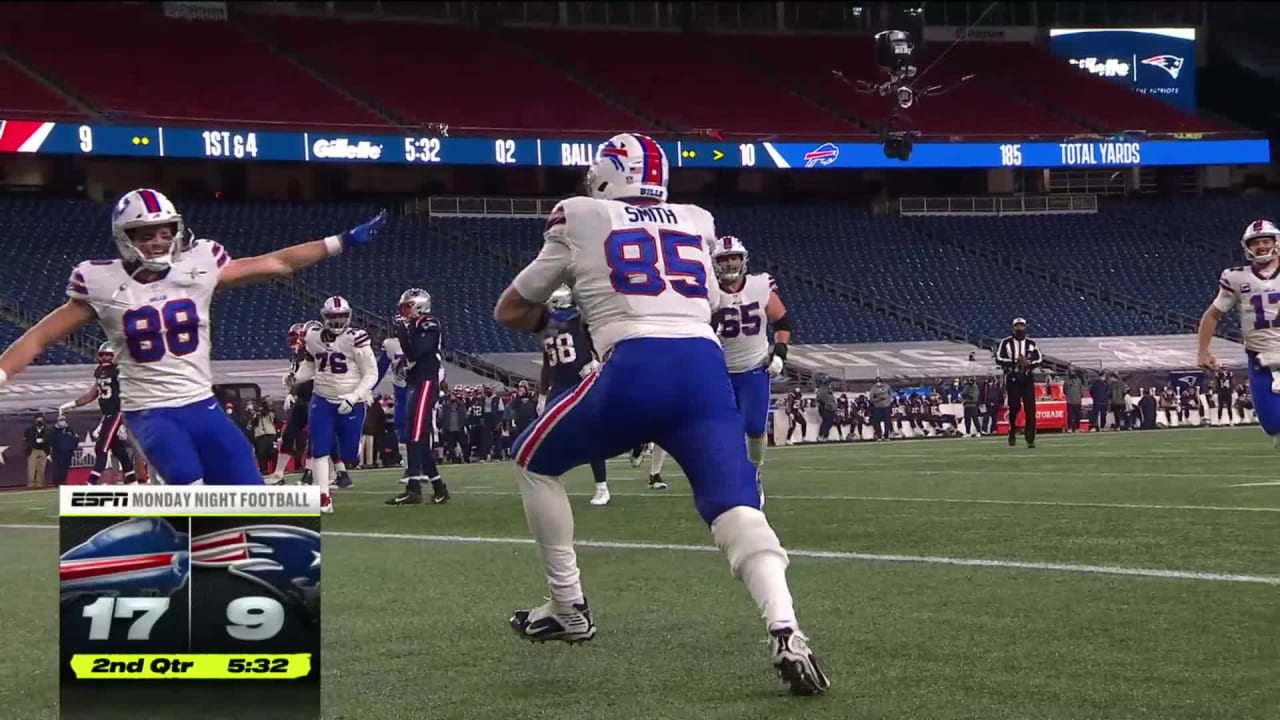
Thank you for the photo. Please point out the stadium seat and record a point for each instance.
(56, 355)
(24, 97)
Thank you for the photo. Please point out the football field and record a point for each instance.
(1111, 575)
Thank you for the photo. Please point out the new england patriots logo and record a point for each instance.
(1171, 64)
(823, 155)
(140, 557)
(284, 559)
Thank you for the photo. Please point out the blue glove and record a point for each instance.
(363, 234)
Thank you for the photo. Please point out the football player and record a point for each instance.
(419, 336)
(297, 404)
(339, 358)
(567, 358)
(153, 303)
(106, 390)
(640, 269)
(750, 301)
(1255, 290)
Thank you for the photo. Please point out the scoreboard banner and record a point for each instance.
(213, 590)
(60, 138)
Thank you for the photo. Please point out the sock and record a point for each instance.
(755, 450)
(340, 467)
(282, 463)
(320, 472)
(404, 453)
(757, 558)
(659, 457)
(311, 463)
(94, 477)
(598, 472)
(550, 517)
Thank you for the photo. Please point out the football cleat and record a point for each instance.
(440, 494)
(552, 621)
(601, 498)
(795, 662)
(406, 498)
(636, 459)
(656, 482)
(326, 504)
(344, 480)
(306, 477)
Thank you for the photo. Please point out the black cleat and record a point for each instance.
(1013, 439)
(406, 498)
(344, 480)
(796, 664)
(306, 477)
(551, 622)
(440, 495)
(656, 482)
(1031, 444)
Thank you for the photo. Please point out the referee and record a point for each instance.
(1018, 356)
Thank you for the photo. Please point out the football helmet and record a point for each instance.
(106, 354)
(723, 254)
(414, 302)
(144, 208)
(336, 313)
(629, 165)
(561, 299)
(1260, 229)
(297, 333)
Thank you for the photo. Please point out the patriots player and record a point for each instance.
(639, 268)
(297, 403)
(153, 303)
(339, 358)
(567, 358)
(748, 302)
(1255, 290)
(106, 390)
(419, 336)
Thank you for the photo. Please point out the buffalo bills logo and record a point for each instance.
(120, 208)
(140, 557)
(615, 154)
(822, 156)
(283, 559)
(1171, 64)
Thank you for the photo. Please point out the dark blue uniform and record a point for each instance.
(420, 340)
(107, 378)
(294, 438)
(566, 349)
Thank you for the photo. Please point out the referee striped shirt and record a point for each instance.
(1010, 349)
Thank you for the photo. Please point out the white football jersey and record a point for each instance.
(1259, 301)
(343, 363)
(160, 329)
(395, 354)
(636, 271)
(743, 323)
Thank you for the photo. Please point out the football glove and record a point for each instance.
(775, 366)
(364, 234)
(289, 381)
(289, 400)
(347, 404)
(542, 404)
(589, 368)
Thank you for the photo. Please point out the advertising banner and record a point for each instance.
(1160, 62)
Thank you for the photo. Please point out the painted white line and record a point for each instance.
(881, 498)
(816, 554)
(1257, 484)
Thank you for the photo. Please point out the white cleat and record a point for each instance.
(273, 479)
(795, 662)
(552, 621)
(326, 504)
(601, 498)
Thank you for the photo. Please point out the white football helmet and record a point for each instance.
(629, 165)
(560, 299)
(336, 313)
(723, 252)
(1258, 229)
(414, 302)
(147, 208)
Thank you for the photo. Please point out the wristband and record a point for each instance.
(333, 244)
(780, 350)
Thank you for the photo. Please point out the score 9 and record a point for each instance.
(254, 618)
(85, 134)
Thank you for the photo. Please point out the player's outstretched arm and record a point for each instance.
(1205, 331)
(87, 397)
(296, 258)
(55, 326)
(523, 305)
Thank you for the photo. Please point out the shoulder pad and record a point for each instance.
(359, 338)
(77, 286)
(556, 217)
(773, 283)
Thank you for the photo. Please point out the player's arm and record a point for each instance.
(89, 396)
(1221, 305)
(306, 370)
(423, 339)
(368, 366)
(523, 305)
(296, 258)
(70, 317)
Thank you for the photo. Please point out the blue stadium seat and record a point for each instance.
(56, 355)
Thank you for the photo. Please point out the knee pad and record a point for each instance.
(742, 532)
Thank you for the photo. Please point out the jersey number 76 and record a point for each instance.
(633, 255)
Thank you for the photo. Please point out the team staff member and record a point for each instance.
(1019, 357)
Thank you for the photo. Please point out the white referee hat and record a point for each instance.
(1019, 321)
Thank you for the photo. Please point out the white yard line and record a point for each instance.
(815, 554)
(1257, 484)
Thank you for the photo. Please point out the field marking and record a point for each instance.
(878, 498)
(1257, 484)
(814, 554)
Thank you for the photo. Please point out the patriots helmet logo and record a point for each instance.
(139, 557)
(1171, 64)
(283, 559)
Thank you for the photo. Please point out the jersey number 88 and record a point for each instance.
(633, 256)
(150, 332)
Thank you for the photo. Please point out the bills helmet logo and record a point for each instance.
(1171, 64)
(821, 156)
(140, 557)
(283, 559)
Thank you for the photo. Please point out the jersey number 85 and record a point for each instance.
(633, 256)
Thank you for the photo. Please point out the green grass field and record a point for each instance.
(1126, 575)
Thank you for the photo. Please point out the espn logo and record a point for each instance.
(99, 498)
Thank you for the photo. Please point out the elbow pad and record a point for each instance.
(783, 323)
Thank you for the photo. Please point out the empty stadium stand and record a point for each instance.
(133, 62)
(25, 97)
(56, 355)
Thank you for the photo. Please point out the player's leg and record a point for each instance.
(349, 431)
(752, 393)
(420, 464)
(120, 449)
(1266, 403)
(1029, 411)
(1014, 396)
(166, 444)
(321, 434)
(656, 462)
(108, 429)
(706, 439)
(226, 454)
